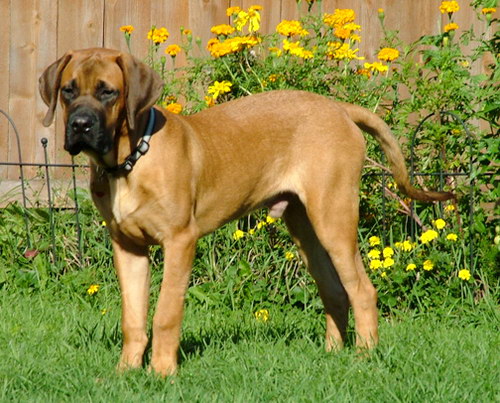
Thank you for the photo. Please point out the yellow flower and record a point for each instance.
(428, 265)
(232, 10)
(187, 32)
(158, 35)
(345, 31)
(219, 88)
(238, 234)
(375, 264)
(464, 274)
(103, 224)
(376, 66)
(222, 29)
(374, 240)
(209, 101)
(439, 223)
(388, 252)
(405, 246)
(380, 11)
(411, 267)
(289, 255)
(127, 29)
(340, 16)
(255, 8)
(104, 311)
(93, 289)
(374, 254)
(489, 10)
(388, 54)
(452, 237)
(262, 315)
(291, 28)
(173, 50)
(252, 18)
(428, 236)
(450, 27)
(388, 262)
(270, 220)
(342, 52)
(174, 107)
(363, 72)
(449, 207)
(383, 274)
(261, 224)
(449, 7)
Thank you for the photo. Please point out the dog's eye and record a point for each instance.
(68, 92)
(106, 94)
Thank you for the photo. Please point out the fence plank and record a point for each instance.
(5, 142)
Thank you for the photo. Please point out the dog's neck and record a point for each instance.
(130, 145)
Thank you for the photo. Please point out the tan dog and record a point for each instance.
(297, 153)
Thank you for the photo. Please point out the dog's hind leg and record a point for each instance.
(320, 266)
(334, 216)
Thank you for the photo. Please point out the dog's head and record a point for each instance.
(99, 89)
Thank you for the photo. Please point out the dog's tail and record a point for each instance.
(372, 124)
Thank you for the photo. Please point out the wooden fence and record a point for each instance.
(34, 33)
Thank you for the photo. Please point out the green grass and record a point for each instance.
(58, 346)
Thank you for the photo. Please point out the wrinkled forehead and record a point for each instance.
(92, 71)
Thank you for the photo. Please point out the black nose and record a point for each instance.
(81, 124)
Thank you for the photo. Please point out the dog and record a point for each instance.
(167, 179)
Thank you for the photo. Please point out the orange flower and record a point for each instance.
(174, 107)
(173, 50)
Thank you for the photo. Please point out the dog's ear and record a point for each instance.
(49, 83)
(143, 86)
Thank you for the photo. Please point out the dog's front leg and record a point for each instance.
(179, 253)
(132, 268)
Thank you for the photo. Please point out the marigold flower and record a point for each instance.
(428, 236)
(222, 29)
(439, 223)
(388, 252)
(174, 107)
(340, 16)
(388, 262)
(187, 32)
(342, 52)
(374, 240)
(374, 254)
(219, 88)
(383, 274)
(345, 31)
(376, 66)
(388, 54)
(158, 35)
(232, 10)
(464, 274)
(452, 237)
(363, 72)
(488, 10)
(93, 289)
(450, 27)
(449, 207)
(238, 234)
(270, 220)
(173, 50)
(375, 264)
(449, 7)
(290, 28)
(127, 29)
(428, 265)
(252, 18)
(255, 8)
(411, 267)
(405, 246)
(209, 101)
(289, 255)
(262, 315)
(295, 49)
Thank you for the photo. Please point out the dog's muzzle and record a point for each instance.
(85, 132)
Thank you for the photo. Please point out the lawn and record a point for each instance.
(61, 346)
